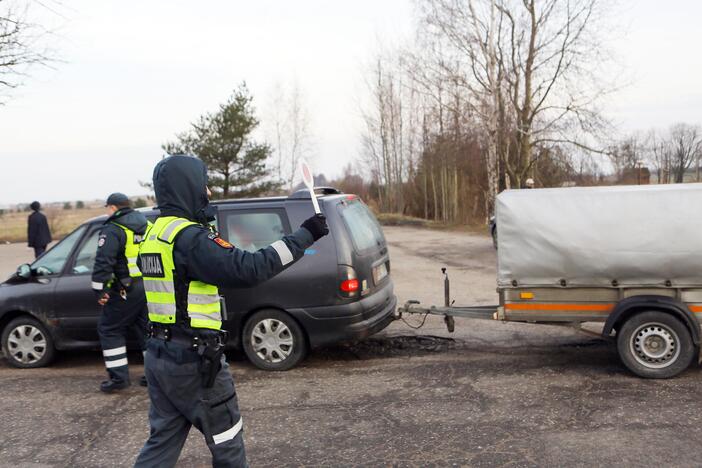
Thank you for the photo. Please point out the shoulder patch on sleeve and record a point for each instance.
(101, 240)
(221, 242)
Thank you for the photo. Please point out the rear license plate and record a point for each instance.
(379, 273)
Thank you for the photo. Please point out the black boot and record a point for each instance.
(143, 382)
(111, 385)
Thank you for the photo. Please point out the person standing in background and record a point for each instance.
(38, 233)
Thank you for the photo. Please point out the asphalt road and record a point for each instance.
(491, 394)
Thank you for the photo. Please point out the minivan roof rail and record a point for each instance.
(304, 193)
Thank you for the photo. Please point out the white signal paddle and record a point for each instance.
(308, 179)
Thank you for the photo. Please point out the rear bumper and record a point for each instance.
(354, 321)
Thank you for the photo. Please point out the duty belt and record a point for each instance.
(194, 341)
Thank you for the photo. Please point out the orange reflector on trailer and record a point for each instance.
(526, 295)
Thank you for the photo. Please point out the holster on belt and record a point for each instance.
(211, 349)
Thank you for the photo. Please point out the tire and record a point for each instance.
(273, 340)
(655, 345)
(27, 343)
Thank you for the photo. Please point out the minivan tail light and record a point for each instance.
(350, 285)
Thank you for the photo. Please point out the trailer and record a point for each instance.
(629, 257)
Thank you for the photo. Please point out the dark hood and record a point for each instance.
(129, 218)
(180, 183)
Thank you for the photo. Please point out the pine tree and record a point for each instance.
(236, 163)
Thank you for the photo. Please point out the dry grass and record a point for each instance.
(396, 219)
(13, 226)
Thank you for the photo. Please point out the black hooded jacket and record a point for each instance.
(180, 184)
(110, 260)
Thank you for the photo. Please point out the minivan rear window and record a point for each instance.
(361, 225)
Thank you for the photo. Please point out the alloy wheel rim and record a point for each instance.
(272, 340)
(26, 344)
(655, 345)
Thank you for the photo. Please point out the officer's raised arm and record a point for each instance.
(215, 261)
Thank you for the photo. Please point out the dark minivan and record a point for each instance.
(340, 290)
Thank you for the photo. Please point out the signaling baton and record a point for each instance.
(309, 182)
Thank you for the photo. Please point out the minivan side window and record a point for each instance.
(52, 262)
(85, 258)
(254, 230)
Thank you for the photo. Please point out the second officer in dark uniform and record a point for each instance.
(119, 289)
(184, 262)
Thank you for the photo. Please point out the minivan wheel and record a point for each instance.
(655, 345)
(27, 343)
(273, 340)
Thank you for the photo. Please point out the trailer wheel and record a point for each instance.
(655, 345)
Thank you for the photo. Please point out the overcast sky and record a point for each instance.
(132, 74)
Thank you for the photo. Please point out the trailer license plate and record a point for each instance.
(379, 273)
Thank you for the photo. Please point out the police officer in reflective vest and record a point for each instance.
(184, 262)
(119, 289)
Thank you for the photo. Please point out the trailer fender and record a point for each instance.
(632, 305)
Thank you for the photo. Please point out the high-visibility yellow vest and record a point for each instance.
(131, 249)
(158, 269)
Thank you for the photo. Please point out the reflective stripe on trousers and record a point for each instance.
(116, 363)
(115, 357)
(114, 351)
(229, 434)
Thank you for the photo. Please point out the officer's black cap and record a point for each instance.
(117, 199)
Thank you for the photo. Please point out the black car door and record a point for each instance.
(74, 296)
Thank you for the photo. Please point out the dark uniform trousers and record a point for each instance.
(179, 400)
(120, 317)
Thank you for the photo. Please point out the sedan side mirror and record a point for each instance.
(24, 271)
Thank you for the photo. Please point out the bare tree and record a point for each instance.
(21, 44)
(530, 69)
(463, 38)
(686, 148)
(628, 154)
(490, 93)
(288, 126)
(391, 139)
(659, 156)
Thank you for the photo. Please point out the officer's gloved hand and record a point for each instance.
(317, 225)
